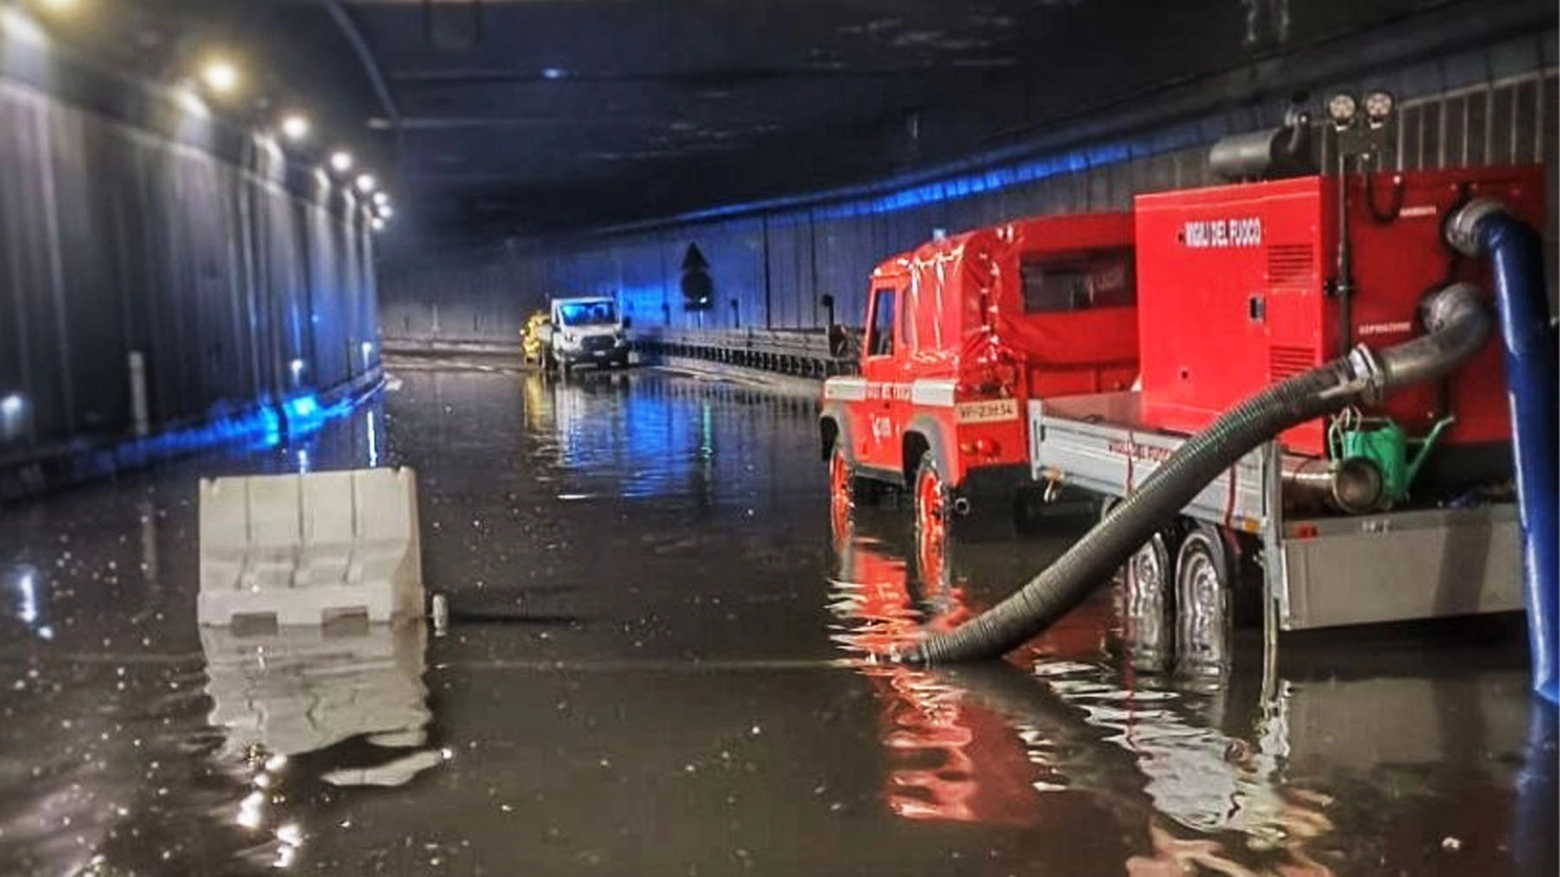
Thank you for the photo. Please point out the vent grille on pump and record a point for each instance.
(1289, 263)
(1284, 361)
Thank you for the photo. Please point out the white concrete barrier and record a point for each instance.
(306, 549)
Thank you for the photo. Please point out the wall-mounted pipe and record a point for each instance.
(1528, 332)
(1457, 325)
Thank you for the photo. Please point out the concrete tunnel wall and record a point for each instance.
(1493, 105)
(134, 221)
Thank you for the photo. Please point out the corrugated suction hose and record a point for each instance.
(1456, 324)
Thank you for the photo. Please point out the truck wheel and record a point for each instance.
(841, 497)
(1204, 619)
(932, 508)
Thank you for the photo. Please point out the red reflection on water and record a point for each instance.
(951, 759)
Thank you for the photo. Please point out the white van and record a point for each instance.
(587, 329)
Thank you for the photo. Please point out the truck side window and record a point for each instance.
(1059, 285)
(880, 341)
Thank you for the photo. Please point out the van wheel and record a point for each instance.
(1204, 616)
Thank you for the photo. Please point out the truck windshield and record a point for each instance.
(592, 313)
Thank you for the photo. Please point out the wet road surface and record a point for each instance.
(654, 668)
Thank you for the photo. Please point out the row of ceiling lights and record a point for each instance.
(222, 79)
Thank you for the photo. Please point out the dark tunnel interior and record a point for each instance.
(674, 367)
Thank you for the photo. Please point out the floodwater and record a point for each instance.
(654, 667)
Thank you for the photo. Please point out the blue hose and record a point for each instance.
(1532, 388)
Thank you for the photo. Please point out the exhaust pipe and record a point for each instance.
(1528, 331)
(1457, 325)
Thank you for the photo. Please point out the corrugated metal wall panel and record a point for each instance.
(1472, 109)
(115, 240)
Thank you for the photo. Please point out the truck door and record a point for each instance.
(882, 424)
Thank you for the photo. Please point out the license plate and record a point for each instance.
(986, 411)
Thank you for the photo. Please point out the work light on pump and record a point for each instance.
(1341, 109)
(1378, 108)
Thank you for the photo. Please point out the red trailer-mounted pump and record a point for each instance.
(961, 333)
(1241, 289)
(1323, 430)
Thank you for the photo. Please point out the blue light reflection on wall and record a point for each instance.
(906, 196)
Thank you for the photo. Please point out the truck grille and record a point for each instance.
(597, 342)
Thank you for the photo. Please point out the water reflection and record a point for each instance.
(289, 691)
(1252, 773)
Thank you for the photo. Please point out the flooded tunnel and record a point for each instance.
(687, 457)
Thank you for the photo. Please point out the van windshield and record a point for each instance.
(592, 313)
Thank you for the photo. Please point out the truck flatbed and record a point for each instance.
(1318, 570)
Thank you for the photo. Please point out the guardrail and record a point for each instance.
(790, 352)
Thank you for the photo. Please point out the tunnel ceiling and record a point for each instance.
(515, 116)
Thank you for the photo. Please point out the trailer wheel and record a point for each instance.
(1145, 602)
(1204, 577)
(932, 507)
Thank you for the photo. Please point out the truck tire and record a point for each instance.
(932, 509)
(1204, 578)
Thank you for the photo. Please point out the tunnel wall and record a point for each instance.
(131, 224)
(1492, 105)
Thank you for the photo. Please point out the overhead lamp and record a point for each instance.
(341, 161)
(381, 199)
(220, 76)
(365, 183)
(386, 211)
(295, 127)
(377, 224)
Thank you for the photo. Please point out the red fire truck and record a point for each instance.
(961, 333)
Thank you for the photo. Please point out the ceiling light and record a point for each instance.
(386, 212)
(341, 161)
(377, 224)
(553, 73)
(220, 76)
(295, 127)
(365, 183)
(381, 199)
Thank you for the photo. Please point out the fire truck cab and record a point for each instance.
(960, 333)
